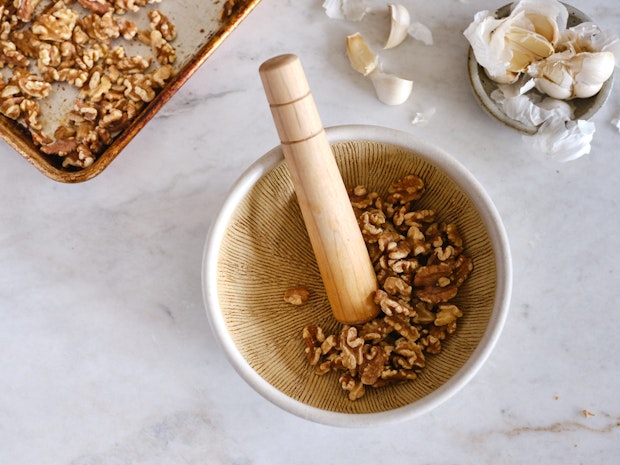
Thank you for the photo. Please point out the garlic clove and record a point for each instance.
(527, 46)
(567, 75)
(391, 89)
(595, 69)
(399, 25)
(545, 26)
(362, 59)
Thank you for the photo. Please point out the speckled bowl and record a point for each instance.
(482, 86)
(258, 248)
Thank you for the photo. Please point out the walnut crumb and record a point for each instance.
(297, 295)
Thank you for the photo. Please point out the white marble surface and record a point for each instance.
(106, 355)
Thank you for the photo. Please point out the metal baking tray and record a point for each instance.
(201, 28)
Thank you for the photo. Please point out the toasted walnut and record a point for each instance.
(447, 314)
(25, 9)
(11, 57)
(406, 190)
(434, 283)
(161, 23)
(407, 354)
(165, 53)
(402, 327)
(394, 285)
(391, 306)
(353, 385)
(373, 362)
(313, 336)
(351, 346)
(297, 295)
(102, 29)
(375, 330)
(33, 86)
(100, 7)
(56, 25)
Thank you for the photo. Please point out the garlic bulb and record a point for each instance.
(567, 75)
(362, 59)
(507, 46)
(399, 25)
(391, 89)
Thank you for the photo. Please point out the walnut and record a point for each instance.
(402, 326)
(406, 190)
(353, 385)
(56, 25)
(398, 250)
(11, 57)
(297, 295)
(102, 29)
(371, 223)
(396, 286)
(447, 314)
(313, 336)
(161, 23)
(373, 361)
(351, 346)
(434, 283)
(165, 53)
(33, 86)
(408, 355)
(99, 7)
(25, 9)
(390, 306)
(375, 331)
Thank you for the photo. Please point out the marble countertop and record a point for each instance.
(107, 357)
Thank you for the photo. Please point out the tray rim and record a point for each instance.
(13, 134)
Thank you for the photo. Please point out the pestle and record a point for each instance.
(346, 270)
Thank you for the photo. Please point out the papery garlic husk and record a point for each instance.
(567, 75)
(362, 58)
(391, 89)
(399, 25)
(350, 10)
(421, 32)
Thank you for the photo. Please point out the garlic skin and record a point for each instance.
(399, 25)
(350, 10)
(362, 59)
(568, 75)
(391, 89)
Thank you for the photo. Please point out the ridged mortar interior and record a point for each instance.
(266, 251)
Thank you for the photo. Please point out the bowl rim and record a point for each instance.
(503, 261)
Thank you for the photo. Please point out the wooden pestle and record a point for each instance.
(341, 254)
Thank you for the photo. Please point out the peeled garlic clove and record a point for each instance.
(391, 89)
(399, 25)
(362, 59)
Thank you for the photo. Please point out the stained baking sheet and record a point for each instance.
(201, 28)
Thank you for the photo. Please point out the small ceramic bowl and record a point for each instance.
(482, 86)
(258, 248)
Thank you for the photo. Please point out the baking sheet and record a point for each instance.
(201, 28)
